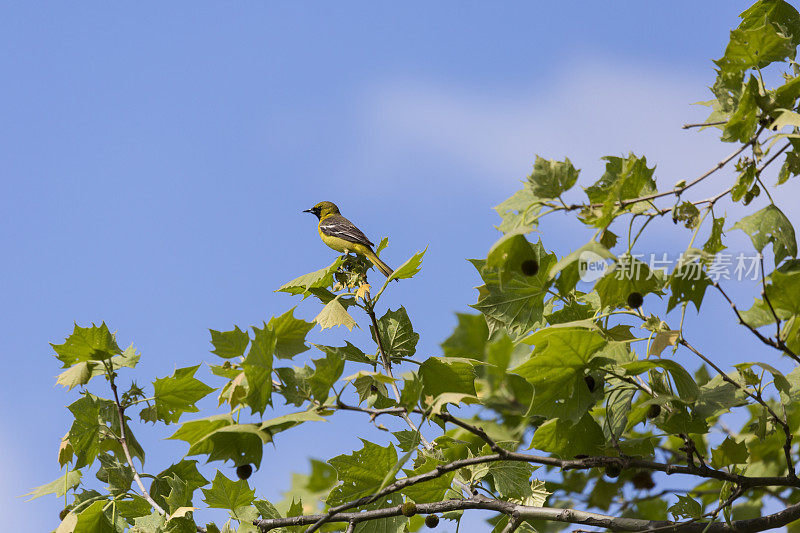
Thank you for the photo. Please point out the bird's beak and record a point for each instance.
(309, 210)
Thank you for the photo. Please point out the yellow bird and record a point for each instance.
(343, 236)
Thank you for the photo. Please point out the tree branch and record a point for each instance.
(569, 516)
(124, 442)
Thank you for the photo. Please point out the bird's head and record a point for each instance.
(323, 209)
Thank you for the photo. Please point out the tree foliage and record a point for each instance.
(564, 392)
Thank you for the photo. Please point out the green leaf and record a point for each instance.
(348, 352)
(229, 344)
(396, 334)
(257, 368)
(118, 475)
(628, 275)
(94, 520)
(618, 406)
(550, 179)
(176, 395)
(688, 281)
(443, 375)
(592, 250)
(624, 179)
(290, 333)
(221, 439)
(79, 374)
(770, 225)
(59, 487)
(334, 314)
(714, 243)
(326, 371)
(512, 479)
(411, 392)
(687, 213)
(565, 439)
(687, 388)
(468, 339)
(755, 46)
(361, 472)
(428, 491)
(227, 494)
(520, 211)
(94, 343)
(784, 294)
(686, 508)
(556, 370)
(407, 439)
(730, 452)
(663, 338)
(409, 268)
(319, 279)
(512, 298)
(742, 124)
(186, 471)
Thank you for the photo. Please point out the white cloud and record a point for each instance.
(592, 108)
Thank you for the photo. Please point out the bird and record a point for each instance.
(343, 236)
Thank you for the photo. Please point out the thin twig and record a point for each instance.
(123, 441)
(787, 447)
(703, 124)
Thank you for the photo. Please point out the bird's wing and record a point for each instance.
(338, 226)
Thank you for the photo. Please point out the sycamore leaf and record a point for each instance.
(361, 472)
(326, 371)
(176, 395)
(229, 344)
(443, 375)
(662, 340)
(396, 333)
(319, 279)
(516, 277)
(628, 276)
(69, 480)
(79, 374)
(687, 388)
(770, 225)
(290, 333)
(550, 178)
(227, 494)
(94, 343)
(730, 452)
(565, 439)
(468, 339)
(257, 368)
(94, 520)
(221, 439)
(520, 211)
(556, 370)
(686, 508)
(409, 268)
(624, 179)
(334, 314)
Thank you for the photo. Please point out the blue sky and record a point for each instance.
(156, 159)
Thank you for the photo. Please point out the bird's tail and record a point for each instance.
(385, 269)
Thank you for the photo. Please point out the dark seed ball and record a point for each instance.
(653, 411)
(530, 267)
(643, 480)
(431, 521)
(409, 509)
(63, 514)
(613, 471)
(635, 300)
(244, 471)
